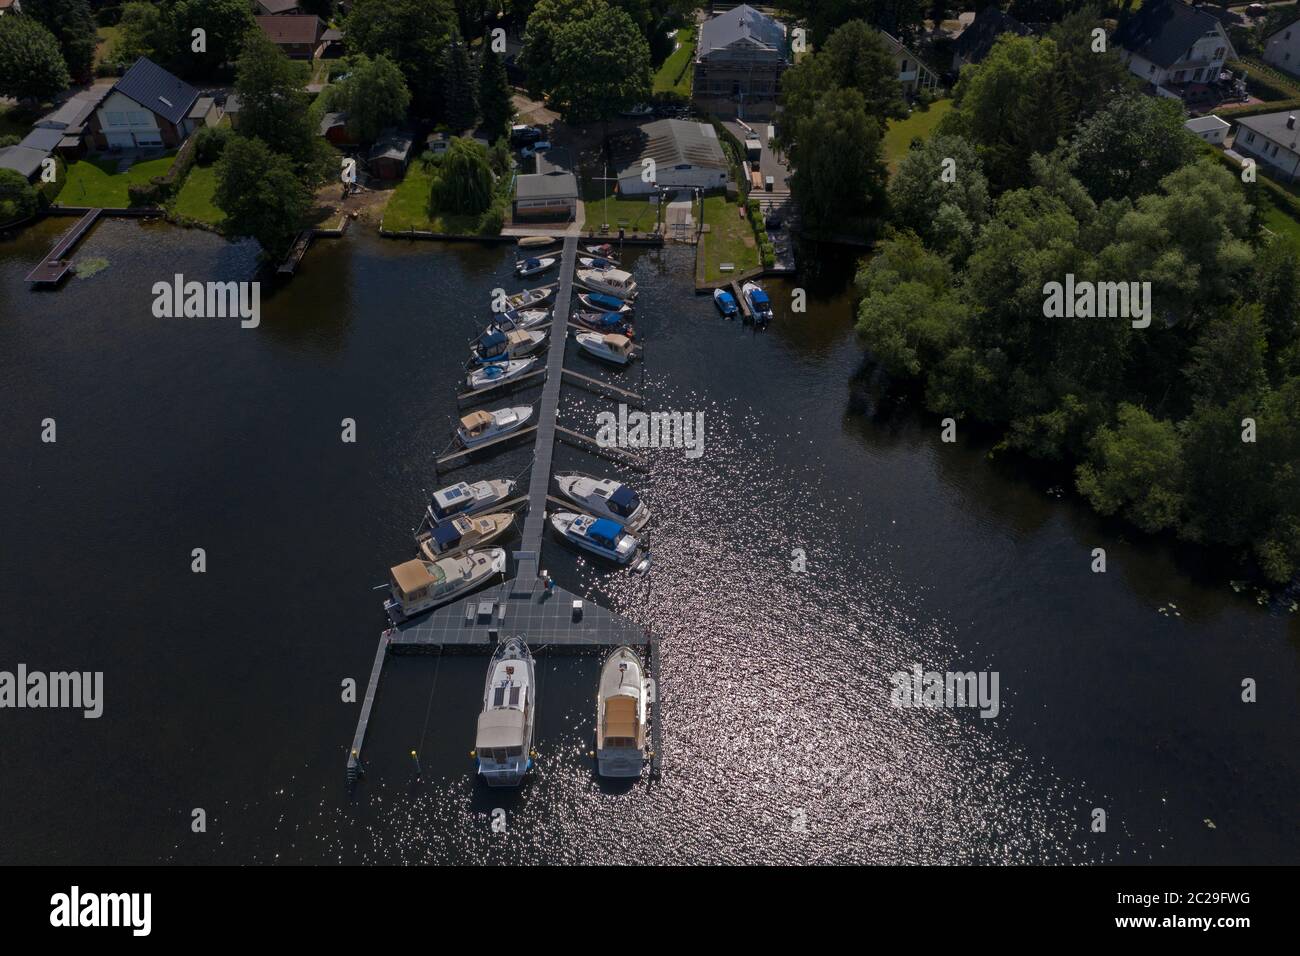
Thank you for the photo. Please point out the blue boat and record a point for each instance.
(726, 303)
(759, 304)
(604, 303)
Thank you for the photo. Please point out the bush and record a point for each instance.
(493, 219)
(17, 197)
(209, 142)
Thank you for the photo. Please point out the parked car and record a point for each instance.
(1256, 10)
(641, 109)
(524, 135)
(539, 147)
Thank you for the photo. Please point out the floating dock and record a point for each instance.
(56, 263)
(553, 620)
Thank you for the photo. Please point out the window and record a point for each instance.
(1250, 137)
(1152, 69)
(1219, 51)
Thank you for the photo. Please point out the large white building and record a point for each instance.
(1169, 44)
(1282, 49)
(669, 154)
(1273, 140)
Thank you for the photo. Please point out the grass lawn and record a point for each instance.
(108, 37)
(194, 201)
(1280, 222)
(628, 214)
(408, 208)
(899, 135)
(678, 64)
(96, 182)
(730, 238)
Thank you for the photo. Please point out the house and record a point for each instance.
(682, 154)
(1282, 49)
(1168, 44)
(739, 58)
(275, 8)
(977, 39)
(297, 35)
(550, 196)
(390, 155)
(7, 6)
(22, 160)
(334, 128)
(72, 120)
(1272, 139)
(1210, 128)
(913, 75)
(147, 107)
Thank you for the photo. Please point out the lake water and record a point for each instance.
(223, 689)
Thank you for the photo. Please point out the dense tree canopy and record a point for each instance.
(464, 180)
(414, 35)
(494, 94)
(261, 194)
(587, 56)
(165, 33)
(940, 193)
(73, 26)
(17, 196)
(373, 94)
(1129, 145)
(31, 66)
(460, 92)
(273, 104)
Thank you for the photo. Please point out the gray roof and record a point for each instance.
(741, 23)
(44, 139)
(1204, 124)
(546, 186)
(74, 112)
(669, 143)
(22, 159)
(157, 90)
(232, 104)
(392, 144)
(1164, 30)
(1273, 125)
(278, 6)
(331, 120)
(201, 107)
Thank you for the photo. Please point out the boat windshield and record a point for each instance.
(624, 501)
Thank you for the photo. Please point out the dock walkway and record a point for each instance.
(56, 263)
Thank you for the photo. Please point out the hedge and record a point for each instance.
(158, 190)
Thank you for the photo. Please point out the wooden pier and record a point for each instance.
(746, 312)
(57, 263)
(500, 388)
(553, 620)
(597, 386)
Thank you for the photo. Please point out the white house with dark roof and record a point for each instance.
(1282, 48)
(739, 58)
(147, 107)
(1273, 140)
(1170, 44)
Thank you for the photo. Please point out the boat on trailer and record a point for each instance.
(420, 585)
(504, 738)
(622, 705)
(605, 498)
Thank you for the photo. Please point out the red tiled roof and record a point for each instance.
(295, 28)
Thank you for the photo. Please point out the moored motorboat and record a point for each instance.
(600, 265)
(419, 585)
(597, 302)
(496, 373)
(622, 705)
(607, 346)
(610, 282)
(504, 738)
(605, 250)
(531, 267)
(520, 319)
(605, 498)
(726, 303)
(530, 297)
(603, 322)
(497, 345)
(535, 242)
(759, 304)
(464, 498)
(599, 536)
(481, 426)
(462, 533)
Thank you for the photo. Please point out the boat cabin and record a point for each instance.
(624, 501)
(415, 580)
(605, 533)
(622, 727)
(454, 535)
(453, 500)
(619, 282)
(499, 343)
(476, 424)
(618, 344)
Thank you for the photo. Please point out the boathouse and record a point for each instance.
(549, 196)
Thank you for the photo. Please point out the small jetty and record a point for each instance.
(301, 243)
(745, 311)
(57, 263)
(551, 618)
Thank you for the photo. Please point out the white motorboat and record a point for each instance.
(622, 705)
(530, 297)
(532, 267)
(597, 302)
(479, 427)
(504, 738)
(600, 536)
(613, 282)
(608, 346)
(464, 498)
(497, 345)
(605, 498)
(759, 304)
(520, 319)
(462, 533)
(419, 585)
(600, 265)
(497, 372)
(605, 250)
(535, 242)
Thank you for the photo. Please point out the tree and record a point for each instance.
(464, 181)
(494, 94)
(374, 95)
(838, 173)
(1129, 145)
(147, 29)
(225, 24)
(1135, 469)
(31, 66)
(17, 197)
(1086, 78)
(601, 66)
(411, 33)
(1228, 360)
(944, 210)
(73, 26)
(273, 104)
(459, 91)
(901, 18)
(546, 20)
(261, 194)
(1275, 285)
